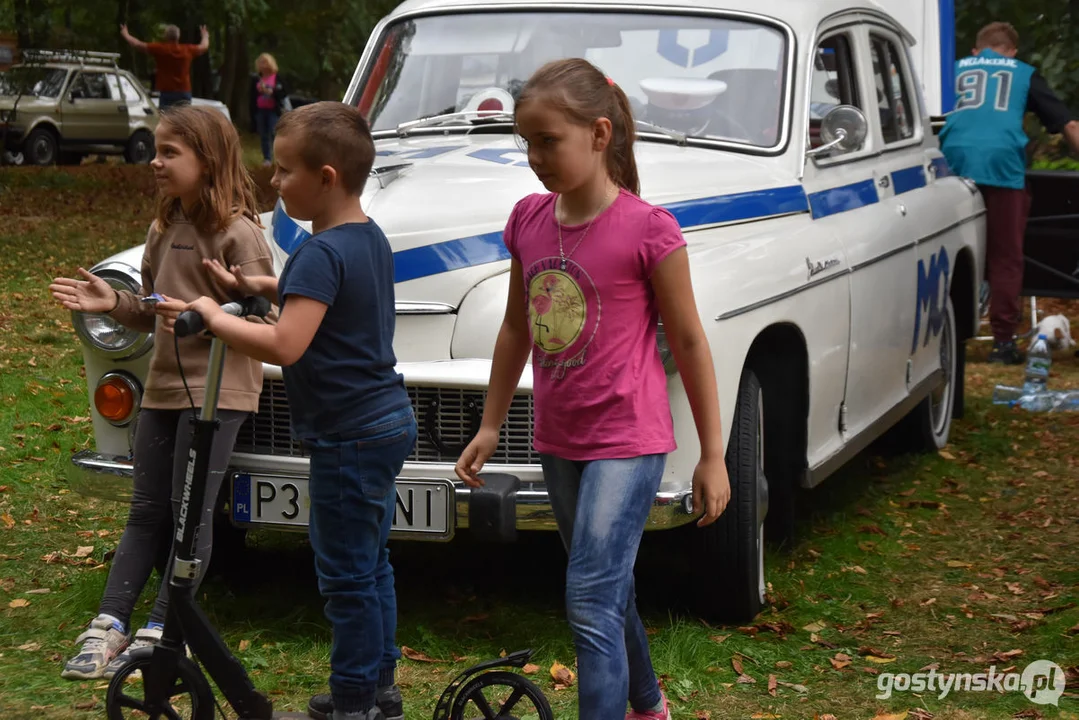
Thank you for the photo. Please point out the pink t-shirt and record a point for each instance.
(266, 102)
(599, 387)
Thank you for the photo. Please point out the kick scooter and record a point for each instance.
(174, 686)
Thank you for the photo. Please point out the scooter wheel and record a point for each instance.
(502, 696)
(170, 688)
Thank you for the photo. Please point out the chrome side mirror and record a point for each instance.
(844, 129)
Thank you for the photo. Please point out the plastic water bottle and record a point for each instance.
(1039, 361)
(1006, 395)
(1067, 400)
(1038, 402)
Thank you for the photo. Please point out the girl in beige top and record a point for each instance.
(206, 210)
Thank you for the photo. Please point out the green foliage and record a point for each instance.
(317, 48)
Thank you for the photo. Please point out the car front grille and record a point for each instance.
(447, 417)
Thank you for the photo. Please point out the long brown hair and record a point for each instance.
(581, 91)
(227, 190)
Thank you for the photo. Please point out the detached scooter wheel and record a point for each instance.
(174, 690)
(501, 696)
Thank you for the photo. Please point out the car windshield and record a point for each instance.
(707, 77)
(42, 82)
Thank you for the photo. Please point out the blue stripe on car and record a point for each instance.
(427, 260)
(843, 199)
(908, 179)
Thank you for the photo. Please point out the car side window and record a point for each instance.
(90, 86)
(834, 81)
(897, 114)
(121, 87)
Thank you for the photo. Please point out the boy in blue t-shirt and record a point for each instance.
(983, 139)
(334, 343)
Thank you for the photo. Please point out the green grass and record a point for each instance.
(946, 559)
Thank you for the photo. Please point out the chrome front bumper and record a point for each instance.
(109, 477)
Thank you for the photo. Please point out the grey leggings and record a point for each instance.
(162, 441)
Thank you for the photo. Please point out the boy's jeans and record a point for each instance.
(353, 498)
(601, 508)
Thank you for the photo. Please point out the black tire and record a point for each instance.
(41, 147)
(730, 551)
(125, 699)
(927, 427)
(140, 148)
(523, 689)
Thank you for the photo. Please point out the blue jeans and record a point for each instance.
(173, 98)
(266, 124)
(601, 508)
(353, 498)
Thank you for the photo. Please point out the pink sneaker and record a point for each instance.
(664, 714)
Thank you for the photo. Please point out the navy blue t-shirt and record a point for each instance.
(346, 378)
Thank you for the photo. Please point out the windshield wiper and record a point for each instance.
(467, 115)
(673, 134)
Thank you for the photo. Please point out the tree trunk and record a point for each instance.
(23, 24)
(235, 89)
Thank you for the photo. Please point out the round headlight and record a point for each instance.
(106, 335)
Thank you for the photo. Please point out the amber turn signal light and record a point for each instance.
(115, 398)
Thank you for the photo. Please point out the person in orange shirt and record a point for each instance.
(173, 60)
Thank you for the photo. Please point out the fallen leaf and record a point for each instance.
(417, 655)
(84, 550)
(703, 715)
(859, 569)
(872, 530)
(530, 669)
(18, 603)
(814, 627)
(879, 660)
(892, 716)
(1074, 630)
(793, 686)
(772, 685)
(736, 663)
(867, 650)
(764, 715)
(9, 522)
(784, 665)
(86, 705)
(840, 661)
(719, 638)
(947, 456)
(39, 591)
(745, 679)
(30, 647)
(958, 564)
(244, 644)
(563, 677)
(930, 601)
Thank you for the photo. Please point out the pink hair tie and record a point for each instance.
(610, 81)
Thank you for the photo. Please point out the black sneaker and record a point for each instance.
(388, 700)
(1006, 353)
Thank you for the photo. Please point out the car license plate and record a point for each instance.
(424, 508)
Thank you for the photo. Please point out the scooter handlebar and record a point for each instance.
(190, 322)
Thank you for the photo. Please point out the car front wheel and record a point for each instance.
(730, 551)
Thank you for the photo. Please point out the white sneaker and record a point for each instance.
(102, 642)
(144, 637)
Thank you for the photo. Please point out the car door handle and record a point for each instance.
(122, 109)
(902, 209)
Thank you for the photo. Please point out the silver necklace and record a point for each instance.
(561, 253)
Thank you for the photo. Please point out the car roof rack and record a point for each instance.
(81, 57)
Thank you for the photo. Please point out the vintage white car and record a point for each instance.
(836, 260)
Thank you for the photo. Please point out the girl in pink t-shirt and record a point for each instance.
(593, 267)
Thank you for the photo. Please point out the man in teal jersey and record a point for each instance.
(983, 139)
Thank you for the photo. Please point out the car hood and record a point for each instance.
(444, 202)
